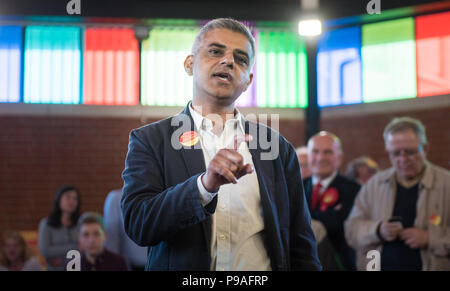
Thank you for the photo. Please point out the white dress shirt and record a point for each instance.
(237, 224)
(325, 182)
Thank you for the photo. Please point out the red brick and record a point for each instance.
(39, 154)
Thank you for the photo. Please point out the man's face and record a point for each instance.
(324, 156)
(406, 154)
(92, 239)
(221, 66)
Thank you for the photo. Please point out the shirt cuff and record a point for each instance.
(205, 196)
(379, 233)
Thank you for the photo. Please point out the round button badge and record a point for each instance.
(189, 138)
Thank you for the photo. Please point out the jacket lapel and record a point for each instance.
(264, 171)
(195, 163)
(192, 155)
(307, 186)
(336, 183)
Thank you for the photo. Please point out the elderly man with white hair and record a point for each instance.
(330, 195)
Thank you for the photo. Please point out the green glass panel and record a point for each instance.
(388, 60)
(164, 81)
(52, 65)
(281, 70)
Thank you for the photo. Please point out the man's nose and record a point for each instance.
(320, 156)
(228, 60)
(402, 157)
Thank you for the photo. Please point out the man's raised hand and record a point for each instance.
(227, 166)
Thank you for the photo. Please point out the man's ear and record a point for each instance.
(426, 148)
(189, 65)
(250, 79)
(340, 160)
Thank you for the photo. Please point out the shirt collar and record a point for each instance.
(428, 176)
(325, 182)
(426, 180)
(197, 117)
(203, 123)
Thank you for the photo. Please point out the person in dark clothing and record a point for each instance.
(95, 257)
(396, 254)
(199, 189)
(330, 195)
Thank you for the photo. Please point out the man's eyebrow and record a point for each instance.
(217, 45)
(239, 51)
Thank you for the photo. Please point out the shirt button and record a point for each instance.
(222, 237)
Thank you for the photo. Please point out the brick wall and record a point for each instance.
(39, 154)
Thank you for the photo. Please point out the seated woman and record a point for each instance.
(58, 233)
(16, 255)
(361, 169)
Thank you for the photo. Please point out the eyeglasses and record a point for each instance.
(406, 152)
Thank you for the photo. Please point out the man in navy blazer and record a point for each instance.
(166, 177)
(335, 193)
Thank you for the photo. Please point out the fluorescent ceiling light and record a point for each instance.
(310, 27)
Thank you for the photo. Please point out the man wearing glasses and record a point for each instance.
(404, 212)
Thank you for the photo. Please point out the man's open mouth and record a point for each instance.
(223, 76)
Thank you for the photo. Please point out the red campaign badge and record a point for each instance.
(189, 138)
(329, 198)
(435, 219)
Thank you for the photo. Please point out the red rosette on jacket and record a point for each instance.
(435, 219)
(329, 198)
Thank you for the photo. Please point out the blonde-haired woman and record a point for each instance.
(16, 255)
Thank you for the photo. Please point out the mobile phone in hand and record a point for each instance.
(397, 219)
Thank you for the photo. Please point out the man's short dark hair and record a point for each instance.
(224, 23)
(88, 218)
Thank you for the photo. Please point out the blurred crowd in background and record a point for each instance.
(402, 212)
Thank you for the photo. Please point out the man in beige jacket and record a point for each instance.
(403, 212)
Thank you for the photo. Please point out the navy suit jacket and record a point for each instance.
(162, 210)
(333, 220)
